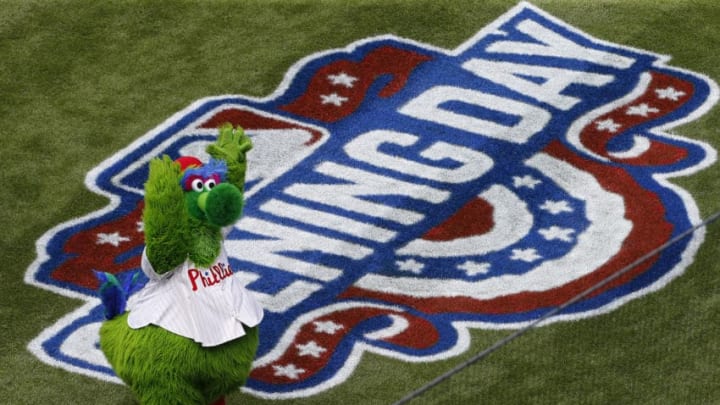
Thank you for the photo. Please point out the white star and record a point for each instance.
(641, 109)
(290, 371)
(140, 226)
(525, 181)
(607, 125)
(111, 238)
(328, 327)
(555, 232)
(310, 349)
(411, 265)
(526, 255)
(342, 79)
(556, 207)
(334, 99)
(473, 268)
(669, 93)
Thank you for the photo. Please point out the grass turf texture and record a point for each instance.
(79, 80)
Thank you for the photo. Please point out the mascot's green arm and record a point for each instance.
(231, 146)
(166, 233)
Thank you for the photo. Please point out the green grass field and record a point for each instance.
(79, 80)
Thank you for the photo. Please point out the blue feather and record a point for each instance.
(114, 292)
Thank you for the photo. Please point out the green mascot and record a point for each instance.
(189, 336)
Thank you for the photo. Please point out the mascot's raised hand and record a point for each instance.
(232, 146)
(190, 335)
(165, 218)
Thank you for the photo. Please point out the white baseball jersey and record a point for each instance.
(207, 305)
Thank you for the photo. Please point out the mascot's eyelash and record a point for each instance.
(213, 167)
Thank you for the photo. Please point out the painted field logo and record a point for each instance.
(400, 194)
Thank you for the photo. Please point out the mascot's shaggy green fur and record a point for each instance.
(186, 209)
(164, 368)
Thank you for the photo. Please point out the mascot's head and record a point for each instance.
(207, 196)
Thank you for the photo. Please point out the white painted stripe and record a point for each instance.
(512, 222)
(399, 325)
(640, 145)
(327, 220)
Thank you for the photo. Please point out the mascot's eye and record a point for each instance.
(210, 183)
(197, 185)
